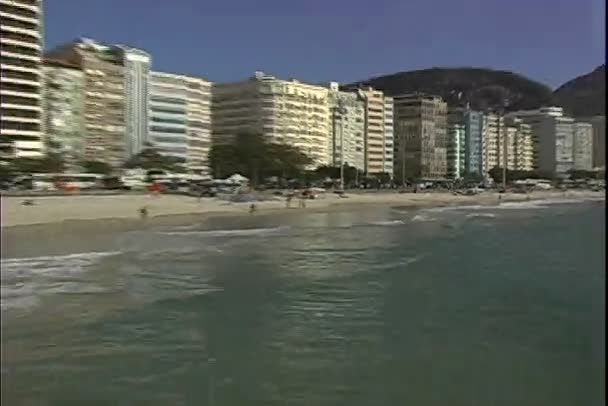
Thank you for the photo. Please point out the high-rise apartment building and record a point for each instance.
(168, 132)
(378, 131)
(116, 97)
(420, 137)
(521, 133)
(63, 107)
(473, 122)
(456, 151)
(180, 118)
(347, 118)
(104, 98)
(599, 139)
(494, 132)
(137, 97)
(21, 44)
(199, 124)
(553, 139)
(582, 146)
(286, 111)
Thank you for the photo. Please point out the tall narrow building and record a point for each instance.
(21, 44)
(63, 107)
(378, 131)
(420, 137)
(599, 140)
(582, 146)
(137, 97)
(347, 117)
(473, 122)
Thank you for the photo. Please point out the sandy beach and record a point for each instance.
(122, 211)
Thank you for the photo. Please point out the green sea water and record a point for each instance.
(504, 306)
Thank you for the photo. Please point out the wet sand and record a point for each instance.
(64, 214)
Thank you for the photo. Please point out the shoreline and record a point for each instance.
(180, 211)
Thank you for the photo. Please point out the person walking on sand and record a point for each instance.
(252, 208)
(143, 213)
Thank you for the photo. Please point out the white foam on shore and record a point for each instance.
(422, 218)
(48, 264)
(387, 223)
(24, 280)
(228, 233)
(481, 215)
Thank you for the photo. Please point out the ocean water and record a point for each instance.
(466, 306)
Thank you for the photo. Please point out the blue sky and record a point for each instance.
(345, 40)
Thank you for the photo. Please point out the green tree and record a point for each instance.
(150, 158)
(96, 167)
(255, 157)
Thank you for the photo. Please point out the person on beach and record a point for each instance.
(252, 208)
(143, 213)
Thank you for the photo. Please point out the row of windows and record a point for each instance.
(11, 125)
(24, 63)
(17, 36)
(21, 50)
(23, 101)
(19, 75)
(168, 130)
(11, 22)
(19, 113)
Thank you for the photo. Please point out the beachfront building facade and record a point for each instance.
(116, 97)
(552, 139)
(63, 107)
(180, 119)
(286, 111)
(473, 137)
(523, 150)
(136, 64)
(420, 136)
(378, 147)
(104, 98)
(21, 44)
(599, 140)
(582, 145)
(199, 124)
(492, 141)
(347, 118)
(456, 151)
(168, 131)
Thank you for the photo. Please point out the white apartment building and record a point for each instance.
(199, 124)
(180, 118)
(523, 149)
(168, 131)
(456, 150)
(137, 97)
(583, 146)
(287, 111)
(347, 117)
(21, 44)
(378, 135)
(552, 138)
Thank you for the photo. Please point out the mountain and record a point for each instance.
(584, 95)
(484, 89)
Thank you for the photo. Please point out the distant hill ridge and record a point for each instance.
(488, 89)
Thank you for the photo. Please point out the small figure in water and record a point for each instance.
(143, 213)
(252, 208)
